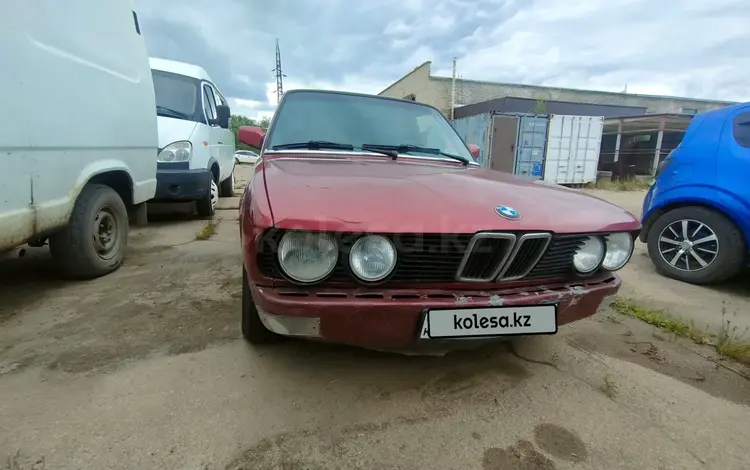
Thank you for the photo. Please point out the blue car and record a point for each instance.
(696, 216)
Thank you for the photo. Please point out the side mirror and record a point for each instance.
(252, 136)
(222, 112)
(475, 151)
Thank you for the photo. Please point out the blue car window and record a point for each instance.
(742, 129)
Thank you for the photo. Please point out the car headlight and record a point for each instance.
(618, 249)
(372, 258)
(589, 256)
(307, 257)
(176, 152)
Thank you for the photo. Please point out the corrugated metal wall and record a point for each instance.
(475, 130)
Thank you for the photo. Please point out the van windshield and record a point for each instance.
(176, 95)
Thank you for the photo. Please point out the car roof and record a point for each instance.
(723, 112)
(180, 68)
(350, 93)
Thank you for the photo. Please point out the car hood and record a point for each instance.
(173, 129)
(406, 196)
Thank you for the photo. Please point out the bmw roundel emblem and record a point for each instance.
(507, 212)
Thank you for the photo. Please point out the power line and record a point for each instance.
(279, 74)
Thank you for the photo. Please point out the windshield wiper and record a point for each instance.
(408, 148)
(322, 144)
(314, 145)
(173, 112)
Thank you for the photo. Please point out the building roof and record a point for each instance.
(547, 88)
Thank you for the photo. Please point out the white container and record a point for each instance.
(573, 143)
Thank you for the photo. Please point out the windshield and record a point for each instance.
(358, 120)
(175, 94)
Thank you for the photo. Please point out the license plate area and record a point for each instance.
(489, 322)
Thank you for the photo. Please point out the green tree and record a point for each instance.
(540, 107)
(238, 121)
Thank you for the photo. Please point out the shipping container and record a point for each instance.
(511, 143)
(572, 151)
(475, 130)
(530, 147)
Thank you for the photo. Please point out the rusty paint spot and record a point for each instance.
(496, 301)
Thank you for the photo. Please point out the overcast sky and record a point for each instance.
(695, 48)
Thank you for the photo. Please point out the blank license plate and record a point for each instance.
(491, 321)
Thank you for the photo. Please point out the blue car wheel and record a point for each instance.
(697, 245)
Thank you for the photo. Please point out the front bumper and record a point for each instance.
(392, 319)
(182, 184)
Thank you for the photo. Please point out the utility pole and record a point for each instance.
(279, 74)
(453, 90)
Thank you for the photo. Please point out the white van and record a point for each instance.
(78, 140)
(196, 144)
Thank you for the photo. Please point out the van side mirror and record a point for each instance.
(223, 113)
(475, 150)
(252, 136)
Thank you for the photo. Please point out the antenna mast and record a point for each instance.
(453, 90)
(279, 74)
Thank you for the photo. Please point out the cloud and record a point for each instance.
(687, 47)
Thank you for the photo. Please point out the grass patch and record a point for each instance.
(609, 387)
(207, 231)
(729, 342)
(626, 185)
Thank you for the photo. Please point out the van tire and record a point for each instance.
(226, 188)
(206, 207)
(253, 329)
(74, 247)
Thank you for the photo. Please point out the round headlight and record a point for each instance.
(589, 256)
(619, 248)
(307, 257)
(372, 258)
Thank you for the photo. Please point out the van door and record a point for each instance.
(218, 141)
(227, 136)
(16, 101)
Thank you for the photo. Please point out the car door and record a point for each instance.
(226, 143)
(215, 134)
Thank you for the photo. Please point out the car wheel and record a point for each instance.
(236, 161)
(226, 189)
(696, 245)
(207, 205)
(252, 328)
(95, 240)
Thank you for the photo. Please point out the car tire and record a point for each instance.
(207, 205)
(236, 161)
(253, 329)
(724, 258)
(82, 253)
(226, 188)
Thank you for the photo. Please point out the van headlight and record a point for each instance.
(307, 257)
(180, 151)
(372, 258)
(589, 257)
(618, 249)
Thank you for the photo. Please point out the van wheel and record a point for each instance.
(207, 205)
(696, 245)
(253, 329)
(94, 241)
(226, 189)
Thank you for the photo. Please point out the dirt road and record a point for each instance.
(145, 369)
